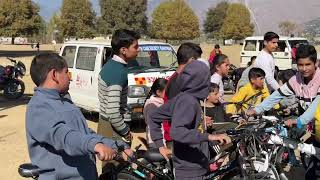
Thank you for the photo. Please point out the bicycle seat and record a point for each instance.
(29, 170)
(151, 155)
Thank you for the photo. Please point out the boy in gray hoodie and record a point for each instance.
(190, 140)
(58, 136)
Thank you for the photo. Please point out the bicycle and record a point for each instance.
(239, 164)
(123, 172)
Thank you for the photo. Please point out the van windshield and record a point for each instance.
(153, 56)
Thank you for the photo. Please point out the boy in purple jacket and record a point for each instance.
(190, 140)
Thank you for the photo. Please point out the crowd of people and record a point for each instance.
(180, 112)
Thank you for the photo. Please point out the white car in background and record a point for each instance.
(283, 56)
(86, 58)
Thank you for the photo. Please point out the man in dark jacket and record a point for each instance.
(190, 140)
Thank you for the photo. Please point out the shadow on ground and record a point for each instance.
(17, 54)
(10, 103)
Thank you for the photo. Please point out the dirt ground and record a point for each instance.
(13, 149)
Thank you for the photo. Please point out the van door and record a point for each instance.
(249, 49)
(282, 56)
(85, 77)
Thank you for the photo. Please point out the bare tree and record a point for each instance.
(288, 28)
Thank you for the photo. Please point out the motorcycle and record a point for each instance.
(231, 81)
(10, 79)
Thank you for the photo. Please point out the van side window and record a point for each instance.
(68, 54)
(107, 54)
(250, 45)
(86, 58)
(281, 46)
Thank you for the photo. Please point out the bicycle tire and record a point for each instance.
(233, 175)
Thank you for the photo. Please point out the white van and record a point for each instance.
(283, 57)
(86, 58)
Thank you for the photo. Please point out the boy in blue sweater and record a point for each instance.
(58, 136)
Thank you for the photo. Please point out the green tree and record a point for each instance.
(215, 18)
(123, 14)
(19, 18)
(287, 27)
(237, 23)
(102, 27)
(174, 20)
(77, 19)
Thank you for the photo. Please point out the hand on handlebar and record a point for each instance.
(128, 138)
(242, 122)
(165, 152)
(104, 153)
(290, 122)
(221, 138)
(209, 120)
(126, 153)
(251, 112)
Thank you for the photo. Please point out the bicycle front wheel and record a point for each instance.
(254, 169)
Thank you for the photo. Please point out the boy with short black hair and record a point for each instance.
(252, 93)
(304, 85)
(58, 136)
(265, 59)
(113, 86)
(245, 74)
(113, 89)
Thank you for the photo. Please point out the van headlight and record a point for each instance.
(138, 91)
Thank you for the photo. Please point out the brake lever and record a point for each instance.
(138, 147)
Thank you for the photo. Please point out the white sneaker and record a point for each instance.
(283, 176)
